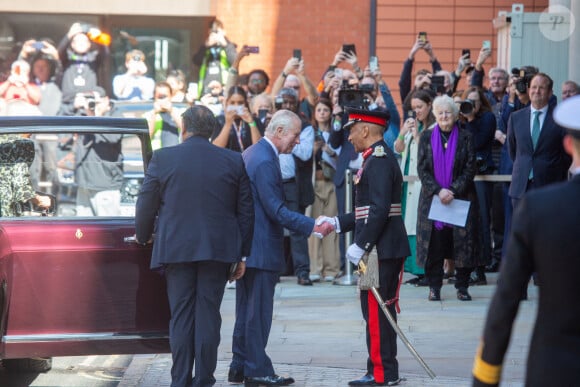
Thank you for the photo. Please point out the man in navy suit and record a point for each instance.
(201, 197)
(255, 291)
(535, 142)
(544, 239)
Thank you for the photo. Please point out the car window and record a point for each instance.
(82, 174)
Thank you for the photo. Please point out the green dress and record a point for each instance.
(411, 265)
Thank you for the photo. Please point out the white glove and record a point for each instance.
(354, 253)
(332, 221)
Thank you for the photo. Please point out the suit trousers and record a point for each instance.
(324, 253)
(195, 291)
(254, 311)
(298, 243)
(380, 336)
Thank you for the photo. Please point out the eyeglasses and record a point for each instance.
(257, 81)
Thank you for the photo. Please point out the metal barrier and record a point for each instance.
(349, 278)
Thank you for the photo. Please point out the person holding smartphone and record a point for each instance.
(422, 78)
(239, 129)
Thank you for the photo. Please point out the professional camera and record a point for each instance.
(349, 97)
(466, 107)
(524, 76)
(91, 101)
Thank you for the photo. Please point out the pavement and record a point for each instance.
(318, 337)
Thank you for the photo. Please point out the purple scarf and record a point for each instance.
(443, 160)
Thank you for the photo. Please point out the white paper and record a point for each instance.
(453, 213)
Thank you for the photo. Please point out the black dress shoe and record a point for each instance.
(477, 279)
(272, 380)
(304, 281)
(367, 380)
(462, 295)
(493, 268)
(434, 294)
(235, 376)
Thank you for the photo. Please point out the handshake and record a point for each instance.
(324, 225)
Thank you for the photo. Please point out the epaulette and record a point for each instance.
(379, 151)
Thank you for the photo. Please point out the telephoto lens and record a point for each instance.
(466, 107)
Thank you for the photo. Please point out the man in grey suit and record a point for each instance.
(535, 142)
(201, 197)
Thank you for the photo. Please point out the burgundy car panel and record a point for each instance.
(75, 285)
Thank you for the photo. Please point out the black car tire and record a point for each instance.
(37, 364)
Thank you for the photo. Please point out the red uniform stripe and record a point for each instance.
(375, 338)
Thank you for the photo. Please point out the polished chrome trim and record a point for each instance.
(69, 337)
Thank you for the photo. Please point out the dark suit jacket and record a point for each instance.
(549, 160)
(544, 239)
(201, 195)
(271, 213)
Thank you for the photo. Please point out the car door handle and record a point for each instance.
(130, 239)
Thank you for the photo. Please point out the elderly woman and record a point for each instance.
(446, 167)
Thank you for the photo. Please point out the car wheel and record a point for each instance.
(37, 364)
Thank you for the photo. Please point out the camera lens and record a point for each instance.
(466, 107)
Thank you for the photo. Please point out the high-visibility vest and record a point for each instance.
(224, 66)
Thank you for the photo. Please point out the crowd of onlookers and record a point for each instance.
(63, 79)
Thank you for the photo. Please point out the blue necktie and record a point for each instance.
(536, 128)
(535, 136)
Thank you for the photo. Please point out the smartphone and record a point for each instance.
(38, 45)
(466, 51)
(486, 44)
(253, 49)
(412, 114)
(349, 48)
(262, 113)
(373, 63)
(239, 109)
(422, 36)
(297, 54)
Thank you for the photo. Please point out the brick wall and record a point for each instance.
(320, 28)
(452, 25)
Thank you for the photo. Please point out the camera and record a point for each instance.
(352, 98)
(438, 84)
(466, 107)
(524, 75)
(91, 101)
(349, 97)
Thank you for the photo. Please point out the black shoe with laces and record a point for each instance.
(235, 376)
(434, 294)
(463, 295)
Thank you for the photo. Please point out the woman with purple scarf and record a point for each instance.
(446, 167)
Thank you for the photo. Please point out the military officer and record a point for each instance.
(380, 231)
(544, 239)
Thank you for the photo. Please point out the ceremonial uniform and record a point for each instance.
(379, 228)
(544, 239)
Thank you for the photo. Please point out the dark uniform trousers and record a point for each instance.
(195, 289)
(381, 337)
